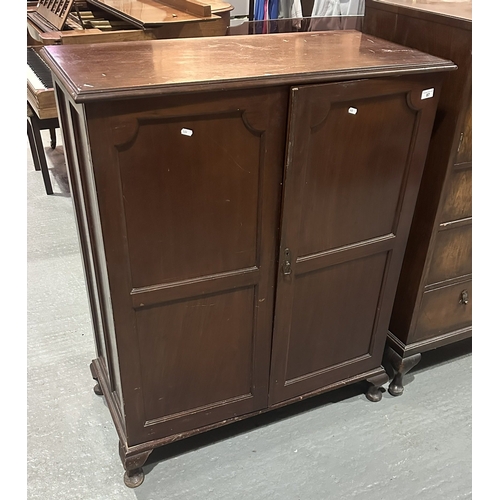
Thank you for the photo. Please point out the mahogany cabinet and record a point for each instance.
(433, 304)
(242, 227)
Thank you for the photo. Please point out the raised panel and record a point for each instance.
(196, 352)
(328, 326)
(198, 193)
(457, 202)
(353, 182)
(452, 255)
(443, 310)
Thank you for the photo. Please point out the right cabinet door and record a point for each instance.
(354, 160)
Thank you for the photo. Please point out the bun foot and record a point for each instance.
(399, 367)
(97, 389)
(374, 392)
(396, 386)
(133, 478)
(133, 462)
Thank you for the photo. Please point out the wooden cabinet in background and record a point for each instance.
(242, 226)
(433, 305)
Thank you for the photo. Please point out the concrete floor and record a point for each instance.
(336, 446)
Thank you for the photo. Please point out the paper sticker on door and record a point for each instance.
(427, 94)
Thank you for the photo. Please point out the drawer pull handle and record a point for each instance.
(287, 264)
(464, 297)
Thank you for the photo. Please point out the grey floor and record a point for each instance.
(335, 446)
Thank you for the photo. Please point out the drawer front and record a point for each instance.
(443, 310)
(452, 255)
(458, 196)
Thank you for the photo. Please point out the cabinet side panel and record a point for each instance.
(87, 218)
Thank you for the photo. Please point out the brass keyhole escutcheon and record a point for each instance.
(287, 262)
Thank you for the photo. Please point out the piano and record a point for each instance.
(52, 22)
(91, 21)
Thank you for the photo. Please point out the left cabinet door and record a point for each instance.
(189, 191)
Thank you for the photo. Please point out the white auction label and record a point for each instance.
(187, 131)
(353, 111)
(427, 94)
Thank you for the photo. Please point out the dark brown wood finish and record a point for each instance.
(349, 191)
(183, 224)
(429, 310)
(204, 264)
(185, 65)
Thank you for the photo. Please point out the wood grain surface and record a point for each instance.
(137, 69)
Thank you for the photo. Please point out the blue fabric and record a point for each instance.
(258, 10)
(272, 9)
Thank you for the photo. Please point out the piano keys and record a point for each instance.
(40, 91)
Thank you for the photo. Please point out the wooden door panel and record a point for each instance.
(191, 209)
(325, 323)
(207, 343)
(355, 156)
(202, 214)
(344, 205)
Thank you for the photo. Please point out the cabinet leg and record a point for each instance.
(97, 389)
(375, 383)
(34, 152)
(133, 478)
(400, 366)
(97, 386)
(134, 475)
(52, 138)
(42, 161)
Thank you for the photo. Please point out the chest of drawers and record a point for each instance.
(433, 305)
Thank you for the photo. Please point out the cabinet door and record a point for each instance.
(354, 161)
(190, 192)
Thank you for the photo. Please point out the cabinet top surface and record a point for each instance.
(461, 9)
(137, 69)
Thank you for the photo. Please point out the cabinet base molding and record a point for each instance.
(399, 358)
(135, 456)
(405, 350)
